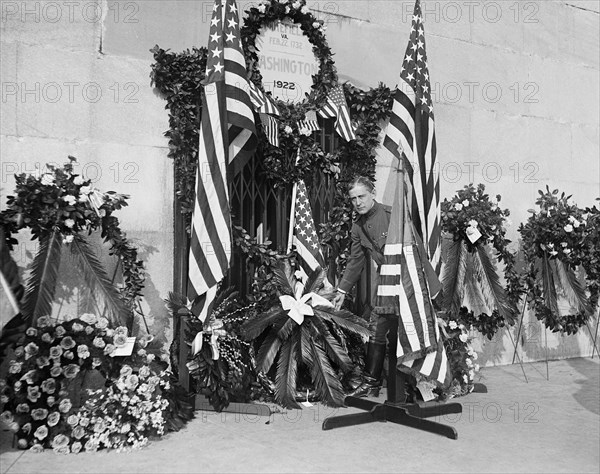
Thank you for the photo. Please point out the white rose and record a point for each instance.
(305, 9)
(47, 179)
(567, 251)
(568, 228)
(287, 129)
(452, 324)
(458, 206)
(466, 203)
(554, 252)
(69, 223)
(316, 24)
(262, 8)
(473, 223)
(78, 180)
(576, 223)
(70, 199)
(296, 5)
(68, 239)
(563, 244)
(463, 337)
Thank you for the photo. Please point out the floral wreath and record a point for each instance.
(296, 11)
(58, 200)
(561, 236)
(474, 219)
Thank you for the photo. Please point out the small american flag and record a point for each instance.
(310, 123)
(303, 232)
(227, 140)
(411, 135)
(261, 101)
(271, 128)
(337, 107)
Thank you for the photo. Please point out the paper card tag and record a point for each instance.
(473, 234)
(306, 404)
(125, 350)
(426, 392)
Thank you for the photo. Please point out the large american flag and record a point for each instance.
(303, 234)
(337, 107)
(411, 135)
(227, 140)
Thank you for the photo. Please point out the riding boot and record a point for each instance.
(373, 368)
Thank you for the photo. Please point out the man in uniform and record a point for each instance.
(368, 236)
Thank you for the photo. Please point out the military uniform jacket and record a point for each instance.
(375, 223)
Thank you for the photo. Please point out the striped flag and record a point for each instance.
(337, 107)
(411, 135)
(303, 233)
(227, 140)
(404, 289)
(261, 101)
(271, 128)
(309, 124)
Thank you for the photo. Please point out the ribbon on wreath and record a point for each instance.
(215, 330)
(298, 308)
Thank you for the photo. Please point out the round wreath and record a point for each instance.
(298, 13)
(58, 200)
(556, 240)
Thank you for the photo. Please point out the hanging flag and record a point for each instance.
(271, 128)
(403, 289)
(411, 135)
(227, 140)
(309, 124)
(303, 233)
(262, 102)
(337, 107)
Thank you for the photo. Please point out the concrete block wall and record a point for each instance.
(515, 87)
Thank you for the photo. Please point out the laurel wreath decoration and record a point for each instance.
(297, 12)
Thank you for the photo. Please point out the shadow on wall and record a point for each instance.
(588, 387)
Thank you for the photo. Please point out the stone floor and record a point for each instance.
(536, 426)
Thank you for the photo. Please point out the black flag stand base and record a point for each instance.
(413, 415)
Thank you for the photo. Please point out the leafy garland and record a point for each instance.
(58, 201)
(474, 221)
(556, 240)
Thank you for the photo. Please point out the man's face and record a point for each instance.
(361, 198)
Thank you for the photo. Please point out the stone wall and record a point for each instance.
(515, 88)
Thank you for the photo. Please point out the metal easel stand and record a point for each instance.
(413, 415)
(515, 342)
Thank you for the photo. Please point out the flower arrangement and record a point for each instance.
(469, 276)
(556, 240)
(38, 398)
(461, 357)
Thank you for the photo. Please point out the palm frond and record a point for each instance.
(454, 276)
(332, 346)
(268, 351)
(257, 324)
(573, 289)
(315, 280)
(550, 296)
(287, 328)
(305, 350)
(42, 281)
(492, 290)
(284, 278)
(102, 291)
(344, 319)
(287, 371)
(327, 385)
(175, 302)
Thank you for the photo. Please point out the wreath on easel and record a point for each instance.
(557, 240)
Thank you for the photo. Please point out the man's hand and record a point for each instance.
(338, 300)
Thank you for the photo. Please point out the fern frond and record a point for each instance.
(41, 285)
(175, 302)
(332, 346)
(549, 289)
(287, 371)
(305, 350)
(268, 351)
(284, 278)
(327, 385)
(102, 291)
(258, 323)
(344, 319)
(494, 295)
(454, 277)
(573, 289)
